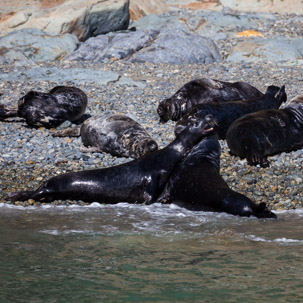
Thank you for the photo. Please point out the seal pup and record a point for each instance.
(49, 109)
(118, 135)
(196, 184)
(267, 132)
(201, 91)
(139, 181)
(227, 112)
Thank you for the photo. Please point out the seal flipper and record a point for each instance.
(281, 95)
(7, 112)
(68, 132)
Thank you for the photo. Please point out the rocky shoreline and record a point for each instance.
(30, 156)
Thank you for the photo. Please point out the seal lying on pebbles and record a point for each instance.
(49, 109)
(227, 112)
(196, 184)
(268, 132)
(201, 91)
(138, 181)
(118, 135)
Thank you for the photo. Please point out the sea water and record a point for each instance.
(156, 253)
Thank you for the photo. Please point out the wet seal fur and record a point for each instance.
(227, 112)
(196, 184)
(49, 109)
(139, 181)
(200, 91)
(118, 135)
(268, 132)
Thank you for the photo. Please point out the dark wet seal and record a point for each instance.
(201, 91)
(226, 113)
(48, 109)
(259, 135)
(196, 184)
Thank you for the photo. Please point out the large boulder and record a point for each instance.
(179, 47)
(173, 46)
(82, 18)
(32, 45)
(113, 46)
(271, 49)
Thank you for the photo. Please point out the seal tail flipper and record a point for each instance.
(262, 211)
(68, 132)
(7, 112)
(93, 149)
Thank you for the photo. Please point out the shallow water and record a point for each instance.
(157, 253)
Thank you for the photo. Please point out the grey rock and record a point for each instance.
(34, 45)
(118, 46)
(157, 22)
(273, 49)
(178, 47)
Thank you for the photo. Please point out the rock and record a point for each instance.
(178, 47)
(82, 18)
(113, 45)
(273, 6)
(141, 8)
(272, 49)
(215, 25)
(166, 46)
(34, 45)
(157, 22)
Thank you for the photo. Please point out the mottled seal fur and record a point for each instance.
(227, 112)
(118, 135)
(196, 184)
(268, 132)
(139, 181)
(49, 109)
(201, 91)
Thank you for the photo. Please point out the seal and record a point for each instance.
(138, 181)
(201, 91)
(118, 135)
(268, 132)
(227, 112)
(49, 109)
(196, 184)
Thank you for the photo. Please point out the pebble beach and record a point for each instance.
(30, 156)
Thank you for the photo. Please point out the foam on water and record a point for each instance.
(158, 220)
(281, 241)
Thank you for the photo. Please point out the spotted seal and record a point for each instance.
(49, 109)
(139, 181)
(227, 112)
(118, 135)
(201, 91)
(196, 184)
(268, 132)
